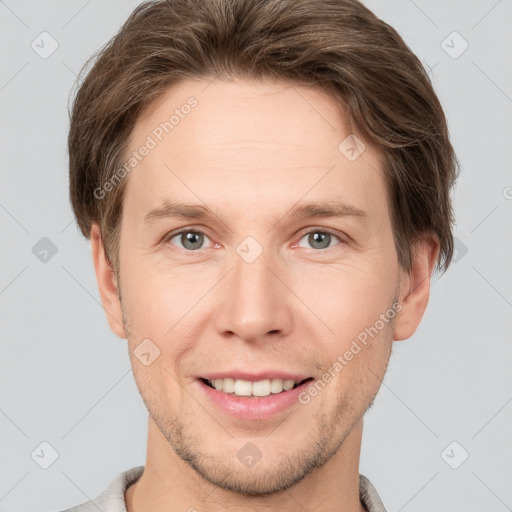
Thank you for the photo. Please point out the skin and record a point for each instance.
(250, 151)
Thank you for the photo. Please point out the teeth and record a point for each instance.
(242, 387)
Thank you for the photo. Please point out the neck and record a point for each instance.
(169, 483)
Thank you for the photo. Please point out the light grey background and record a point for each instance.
(66, 379)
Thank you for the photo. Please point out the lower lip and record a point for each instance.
(260, 408)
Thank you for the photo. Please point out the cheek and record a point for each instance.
(155, 371)
(156, 299)
(335, 301)
(161, 310)
(345, 301)
(358, 370)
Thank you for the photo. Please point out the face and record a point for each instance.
(251, 284)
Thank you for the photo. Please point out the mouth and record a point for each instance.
(254, 397)
(253, 389)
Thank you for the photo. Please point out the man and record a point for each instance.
(266, 186)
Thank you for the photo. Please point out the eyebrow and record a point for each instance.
(328, 209)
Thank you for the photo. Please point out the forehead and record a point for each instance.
(248, 139)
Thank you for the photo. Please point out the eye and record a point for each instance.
(190, 240)
(320, 239)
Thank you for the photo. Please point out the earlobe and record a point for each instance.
(415, 287)
(107, 284)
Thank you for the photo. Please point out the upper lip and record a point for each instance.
(254, 377)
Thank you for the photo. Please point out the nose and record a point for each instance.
(255, 301)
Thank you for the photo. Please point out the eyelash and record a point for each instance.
(173, 234)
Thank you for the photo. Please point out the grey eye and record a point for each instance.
(319, 239)
(190, 240)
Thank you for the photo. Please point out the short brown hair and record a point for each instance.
(337, 46)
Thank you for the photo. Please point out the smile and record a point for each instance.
(257, 389)
(253, 400)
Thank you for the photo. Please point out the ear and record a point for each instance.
(107, 283)
(415, 287)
